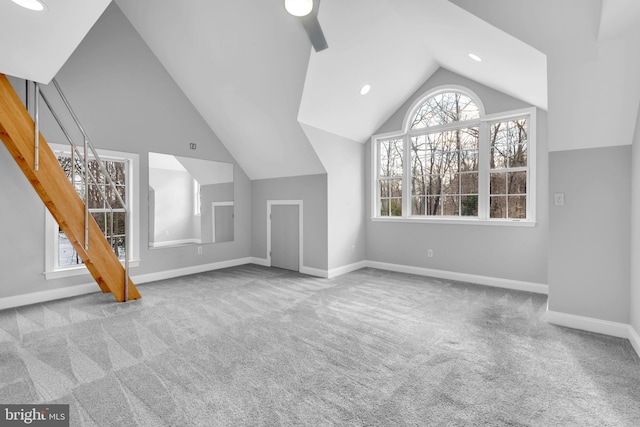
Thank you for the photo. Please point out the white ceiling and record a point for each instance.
(249, 69)
(35, 45)
(617, 16)
(396, 45)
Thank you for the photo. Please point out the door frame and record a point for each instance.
(213, 218)
(298, 203)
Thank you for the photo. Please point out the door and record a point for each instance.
(222, 223)
(285, 237)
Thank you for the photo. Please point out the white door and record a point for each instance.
(285, 237)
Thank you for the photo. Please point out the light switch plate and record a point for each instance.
(558, 199)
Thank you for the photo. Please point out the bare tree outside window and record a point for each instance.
(390, 171)
(454, 162)
(444, 165)
(108, 213)
(508, 169)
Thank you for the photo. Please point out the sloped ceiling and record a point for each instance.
(35, 45)
(395, 46)
(242, 64)
(249, 69)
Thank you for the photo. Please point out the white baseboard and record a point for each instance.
(170, 274)
(260, 261)
(634, 339)
(590, 324)
(44, 296)
(517, 285)
(88, 288)
(346, 269)
(314, 272)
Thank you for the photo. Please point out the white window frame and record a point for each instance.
(482, 123)
(52, 270)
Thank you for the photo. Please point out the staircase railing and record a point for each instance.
(80, 159)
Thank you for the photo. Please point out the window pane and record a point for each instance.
(395, 188)
(434, 184)
(395, 206)
(390, 151)
(518, 157)
(433, 205)
(384, 188)
(443, 108)
(418, 185)
(469, 183)
(384, 207)
(517, 182)
(418, 205)
(67, 255)
(498, 183)
(469, 205)
(499, 145)
(468, 160)
(498, 207)
(451, 204)
(517, 206)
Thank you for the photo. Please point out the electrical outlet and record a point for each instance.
(353, 248)
(199, 250)
(430, 253)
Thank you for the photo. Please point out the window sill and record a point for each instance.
(77, 271)
(459, 221)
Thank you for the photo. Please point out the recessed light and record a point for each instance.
(36, 5)
(365, 89)
(475, 57)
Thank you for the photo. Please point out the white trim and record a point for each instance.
(50, 295)
(300, 204)
(516, 285)
(338, 271)
(634, 339)
(88, 288)
(181, 242)
(213, 218)
(260, 261)
(590, 324)
(456, 220)
(80, 270)
(133, 202)
(433, 92)
(314, 272)
(170, 274)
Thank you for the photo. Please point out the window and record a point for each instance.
(61, 258)
(455, 162)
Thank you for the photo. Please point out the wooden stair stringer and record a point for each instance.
(58, 194)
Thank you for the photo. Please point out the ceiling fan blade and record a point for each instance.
(312, 27)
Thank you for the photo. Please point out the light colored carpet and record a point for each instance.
(257, 346)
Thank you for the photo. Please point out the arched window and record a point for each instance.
(453, 161)
(442, 108)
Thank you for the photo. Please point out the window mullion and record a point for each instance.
(483, 171)
(406, 178)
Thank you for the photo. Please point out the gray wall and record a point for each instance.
(344, 162)
(589, 239)
(635, 231)
(515, 253)
(208, 194)
(127, 102)
(312, 190)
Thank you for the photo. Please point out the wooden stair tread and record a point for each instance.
(52, 185)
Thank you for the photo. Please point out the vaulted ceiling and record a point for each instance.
(249, 69)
